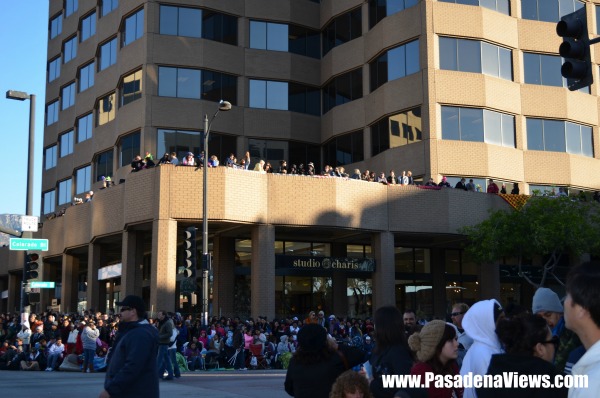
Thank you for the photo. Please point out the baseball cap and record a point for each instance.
(134, 302)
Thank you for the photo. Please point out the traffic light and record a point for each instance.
(31, 266)
(189, 249)
(575, 49)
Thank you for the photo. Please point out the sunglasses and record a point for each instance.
(555, 340)
(456, 314)
(126, 309)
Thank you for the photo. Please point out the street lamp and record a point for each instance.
(22, 96)
(223, 106)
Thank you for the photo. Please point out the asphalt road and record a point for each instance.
(205, 384)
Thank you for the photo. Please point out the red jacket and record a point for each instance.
(420, 368)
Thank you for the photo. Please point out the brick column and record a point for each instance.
(339, 282)
(68, 294)
(384, 275)
(132, 258)
(163, 280)
(223, 275)
(96, 290)
(263, 271)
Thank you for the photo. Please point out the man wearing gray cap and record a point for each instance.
(547, 305)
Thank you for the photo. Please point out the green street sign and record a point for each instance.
(41, 285)
(29, 244)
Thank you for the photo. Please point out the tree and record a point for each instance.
(551, 227)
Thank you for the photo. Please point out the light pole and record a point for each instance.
(22, 96)
(223, 106)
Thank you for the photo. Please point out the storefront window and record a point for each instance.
(416, 295)
(360, 296)
(243, 252)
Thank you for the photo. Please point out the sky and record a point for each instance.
(23, 45)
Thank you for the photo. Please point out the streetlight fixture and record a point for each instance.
(22, 96)
(223, 106)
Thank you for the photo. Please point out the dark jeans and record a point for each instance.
(240, 360)
(163, 362)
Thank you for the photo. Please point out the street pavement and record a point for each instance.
(205, 384)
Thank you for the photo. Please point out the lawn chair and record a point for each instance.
(261, 361)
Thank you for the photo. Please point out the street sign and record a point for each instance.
(29, 244)
(41, 285)
(29, 223)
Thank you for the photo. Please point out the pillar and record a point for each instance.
(14, 292)
(163, 279)
(262, 274)
(68, 295)
(132, 258)
(489, 281)
(96, 290)
(223, 275)
(384, 278)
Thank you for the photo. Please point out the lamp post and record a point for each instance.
(223, 106)
(22, 96)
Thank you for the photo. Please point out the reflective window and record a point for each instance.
(268, 94)
(83, 179)
(544, 70)
(344, 149)
(108, 54)
(559, 136)
(105, 112)
(52, 113)
(268, 36)
(71, 7)
(342, 89)
(195, 22)
(66, 143)
(131, 88)
(64, 192)
(134, 28)
(342, 29)
(597, 8)
(88, 27)
(86, 76)
(129, 148)
(304, 99)
(68, 96)
(478, 125)
(181, 142)
(49, 201)
(104, 164)
(108, 6)
(54, 69)
(50, 156)
(70, 49)
(197, 84)
(394, 64)
(84, 127)
(502, 6)
(56, 26)
(393, 131)
(475, 56)
(548, 10)
(379, 9)
(304, 41)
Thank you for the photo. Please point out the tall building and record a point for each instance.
(440, 88)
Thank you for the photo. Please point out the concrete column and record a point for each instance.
(68, 295)
(96, 290)
(223, 275)
(438, 282)
(262, 275)
(340, 282)
(46, 295)
(489, 281)
(14, 286)
(132, 262)
(4, 302)
(384, 275)
(163, 280)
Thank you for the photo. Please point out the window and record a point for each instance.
(54, 69)
(68, 96)
(304, 41)
(70, 49)
(108, 6)
(52, 113)
(197, 84)
(88, 27)
(478, 125)
(50, 157)
(49, 201)
(268, 94)
(108, 54)
(195, 22)
(134, 28)
(71, 7)
(304, 99)
(502, 6)
(268, 36)
(475, 56)
(397, 130)
(84, 128)
(104, 164)
(275, 150)
(64, 192)
(86, 76)
(342, 89)
(544, 70)
(66, 143)
(83, 182)
(106, 109)
(129, 148)
(597, 19)
(131, 88)
(548, 10)
(379, 9)
(394, 64)
(182, 142)
(342, 29)
(344, 149)
(559, 136)
(56, 26)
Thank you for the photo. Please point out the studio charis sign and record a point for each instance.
(308, 263)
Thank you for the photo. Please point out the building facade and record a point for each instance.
(441, 88)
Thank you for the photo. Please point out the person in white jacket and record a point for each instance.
(25, 336)
(582, 315)
(480, 324)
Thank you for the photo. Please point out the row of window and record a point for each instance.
(87, 23)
